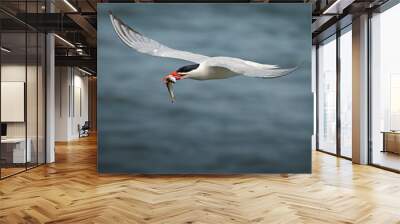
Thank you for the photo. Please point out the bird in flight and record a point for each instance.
(202, 67)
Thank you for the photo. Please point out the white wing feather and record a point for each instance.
(249, 68)
(146, 45)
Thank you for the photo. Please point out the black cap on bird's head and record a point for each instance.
(187, 68)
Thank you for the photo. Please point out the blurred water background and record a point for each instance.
(237, 125)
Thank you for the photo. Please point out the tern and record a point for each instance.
(202, 67)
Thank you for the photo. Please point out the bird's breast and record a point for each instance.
(209, 72)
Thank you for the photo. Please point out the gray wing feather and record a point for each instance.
(146, 45)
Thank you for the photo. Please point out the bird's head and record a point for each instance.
(181, 73)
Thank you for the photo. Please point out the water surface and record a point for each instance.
(237, 125)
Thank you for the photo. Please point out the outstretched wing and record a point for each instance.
(146, 45)
(249, 68)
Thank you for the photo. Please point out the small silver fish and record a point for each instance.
(169, 82)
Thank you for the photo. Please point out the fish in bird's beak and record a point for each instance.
(169, 82)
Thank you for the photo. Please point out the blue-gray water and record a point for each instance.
(237, 125)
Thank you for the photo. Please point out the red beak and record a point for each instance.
(173, 74)
(176, 75)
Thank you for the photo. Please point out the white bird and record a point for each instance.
(204, 67)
